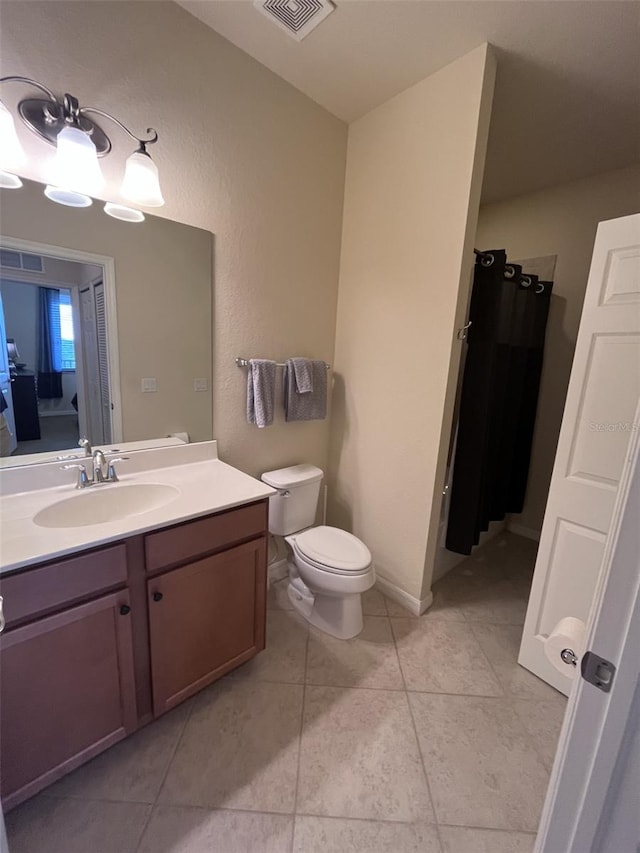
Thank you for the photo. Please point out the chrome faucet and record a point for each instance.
(86, 446)
(99, 464)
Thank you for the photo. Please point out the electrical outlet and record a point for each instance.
(201, 384)
(149, 385)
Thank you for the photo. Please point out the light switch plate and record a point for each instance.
(201, 384)
(149, 385)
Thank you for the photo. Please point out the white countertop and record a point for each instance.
(205, 485)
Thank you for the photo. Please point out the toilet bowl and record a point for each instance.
(329, 568)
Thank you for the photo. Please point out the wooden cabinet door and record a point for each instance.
(204, 619)
(66, 693)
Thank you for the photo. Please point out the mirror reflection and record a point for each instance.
(107, 328)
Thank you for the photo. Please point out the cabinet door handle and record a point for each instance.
(125, 609)
(157, 596)
(2, 622)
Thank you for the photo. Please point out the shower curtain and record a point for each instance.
(508, 316)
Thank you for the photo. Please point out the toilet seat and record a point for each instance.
(333, 550)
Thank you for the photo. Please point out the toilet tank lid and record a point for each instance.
(295, 475)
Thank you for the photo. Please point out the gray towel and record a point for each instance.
(261, 391)
(303, 371)
(310, 405)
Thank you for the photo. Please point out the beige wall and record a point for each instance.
(563, 221)
(412, 193)
(242, 154)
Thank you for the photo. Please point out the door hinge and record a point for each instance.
(597, 671)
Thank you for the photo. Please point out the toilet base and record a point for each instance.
(339, 616)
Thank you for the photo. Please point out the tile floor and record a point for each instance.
(422, 734)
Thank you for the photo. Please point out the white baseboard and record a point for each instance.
(413, 605)
(520, 530)
(277, 570)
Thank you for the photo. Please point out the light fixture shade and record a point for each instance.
(126, 214)
(9, 181)
(11, 151)
(70, 198)
(76, 164)
(141, 184)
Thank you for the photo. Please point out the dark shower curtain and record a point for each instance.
(508, 315)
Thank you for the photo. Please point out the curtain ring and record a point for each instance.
(462, 333)
(525, 281)
(487, 259)
(539, 287)
(509, 271)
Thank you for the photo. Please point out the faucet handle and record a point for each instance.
(83, 480)
(112, 477)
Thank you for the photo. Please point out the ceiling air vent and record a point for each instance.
(296, 17)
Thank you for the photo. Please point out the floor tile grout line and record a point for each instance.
(144, 828)
(505, 692)
(415, 734)
(304, 697)
(376, 819)
(487, 828)
(166, 772)
(209, 809)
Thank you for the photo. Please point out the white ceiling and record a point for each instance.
(567, 100)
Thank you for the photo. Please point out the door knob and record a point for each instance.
(157, 596)
(125, 609)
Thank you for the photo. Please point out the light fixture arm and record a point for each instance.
(79, 141)
(29, 82)
(141, 142)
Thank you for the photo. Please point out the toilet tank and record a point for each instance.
(294, 507)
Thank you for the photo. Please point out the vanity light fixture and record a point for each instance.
(80, 142)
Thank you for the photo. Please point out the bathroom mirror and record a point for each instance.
(108, 324)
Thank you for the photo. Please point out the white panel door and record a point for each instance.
(601, 413)
(594, 791)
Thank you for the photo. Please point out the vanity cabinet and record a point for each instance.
(204, 619)
(97, 644)
(66, 692)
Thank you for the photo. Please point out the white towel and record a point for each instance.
(303, 371)
(261, 391)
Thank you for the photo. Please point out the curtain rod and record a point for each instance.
(244, 362)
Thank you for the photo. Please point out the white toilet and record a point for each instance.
(331, 568)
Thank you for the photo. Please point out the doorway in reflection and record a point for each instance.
(54, 324)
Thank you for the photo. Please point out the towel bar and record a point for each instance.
(244, 362)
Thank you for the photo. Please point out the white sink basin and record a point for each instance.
(100, 504)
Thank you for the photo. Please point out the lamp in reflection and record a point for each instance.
(80, 142)
(126, 214)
